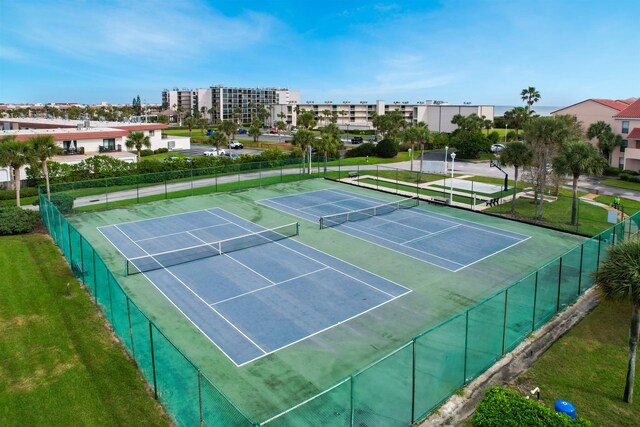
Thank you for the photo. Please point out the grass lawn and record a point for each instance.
(24, 201)
(588, 367)
(630, 206)
(612, 182)
(592, 219)
(59, 363)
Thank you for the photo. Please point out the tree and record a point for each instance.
(15, 154)
(255, 130)
(389, 124)
(412, 136)
(328, 144)
(218, 138)
(281, 127)
(607, 140)
(137, 140)
(516, 118)
(228, 127)
(471, 123)
(617, 279)
(307, 120)
(211, 112)
(202, 123)
(180, 110)
(44, 148)
(544, 134)
(163, 118)
(190, 122)
(488, 124)
(578, 158)
(530, 95)
(304, 138)
(516, 154)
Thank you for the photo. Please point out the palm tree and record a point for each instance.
(343, 114)
(307, 120)
(607, 140)
(180, 110)
(329, 143)
(516, 118)
(137, 140)
(411, 135)
(577, 158)
(545, 133)
(45, 147)
(15, 154)
(618, 280)
(488, 124)
(303, 138)
(211, 111)
(218, 138)
(531, 96)
(228, 127)
(255, 130)
(190, 121)
(516, 154)
(281, 126)
(202, 123)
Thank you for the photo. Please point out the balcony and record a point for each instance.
(71, 151)
(632, 154)
(103, 149)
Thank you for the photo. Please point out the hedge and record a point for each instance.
(15, 220)
(24, 192)
(505, 407)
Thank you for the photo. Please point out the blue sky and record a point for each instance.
(456, 51)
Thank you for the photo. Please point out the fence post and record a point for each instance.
(559, 285)
(353, 409)
(81, 257)
(95, 278)
(599, 244)
(535, 302)
(200, 396)
(466, 342)
(70, 245)
(580, 270)
(106, 193)
(413, 381)
(164, 175)
(153, 361)
(504, 323)
(133, 345)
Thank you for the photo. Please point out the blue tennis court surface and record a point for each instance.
(254, 301)
(441, 240)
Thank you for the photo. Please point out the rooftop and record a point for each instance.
(631, 112)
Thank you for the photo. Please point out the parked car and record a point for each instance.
(242, 131)
(213, 153)
(233, 156)
(356, 140)
(273, 130)
(210, 132)
(496, 148)
(294, 131)
(235, 144)
(188, 159)
(372, 138)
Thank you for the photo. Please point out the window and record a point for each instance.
(625, 126)
(621, 163)
(109, 144)
(152, 133)
(624, 145)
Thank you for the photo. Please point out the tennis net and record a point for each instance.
(360, 214)
(180, 256)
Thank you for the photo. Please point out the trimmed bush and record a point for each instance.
(161, 150)
(145, 153)
(14, 220)
(366, 149)
(505, 407)
(24, 192)
(387, 148)
(612, 171)
(64, 202)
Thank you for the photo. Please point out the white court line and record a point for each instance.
(328, 266)
(497, 252)
(435, 233)
(174, 304)
(155, 217)
(184, 231)
(200, 298)
(267, 287)
(332, 203)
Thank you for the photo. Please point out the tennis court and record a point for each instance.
(437, 239)
(250, 290)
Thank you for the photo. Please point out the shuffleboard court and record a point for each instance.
(447, 242)
(252, 300)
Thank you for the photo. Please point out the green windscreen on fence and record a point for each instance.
(398, 389)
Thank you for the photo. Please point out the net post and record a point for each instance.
(352, 400)
(297, 228)
(153, 361)
(413, 380)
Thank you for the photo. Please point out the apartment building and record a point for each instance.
(623, 115)
(80, 140)
(234, 103)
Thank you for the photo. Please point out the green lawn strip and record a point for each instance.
(621, 184)
(588, 367)
(497, 181)
(23, 201)
(630, 206)
(386, 184)
(229, 186)
(59, 364)
(592, 219)
(372, 160)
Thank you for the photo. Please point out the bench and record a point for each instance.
(353, 174)
(493, 202)
(440, 200)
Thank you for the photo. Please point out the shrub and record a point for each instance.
(24, 192)
(14, 220)
(494, 137)
(64, 202)
(161, 150)
(144, 153)
(469, 145)
(366, 149)
(200, 140)
(612, 171)
(387, 148)
(505, 407)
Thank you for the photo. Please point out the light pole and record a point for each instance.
(446, 150)
(453, 160)
(506, 125)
